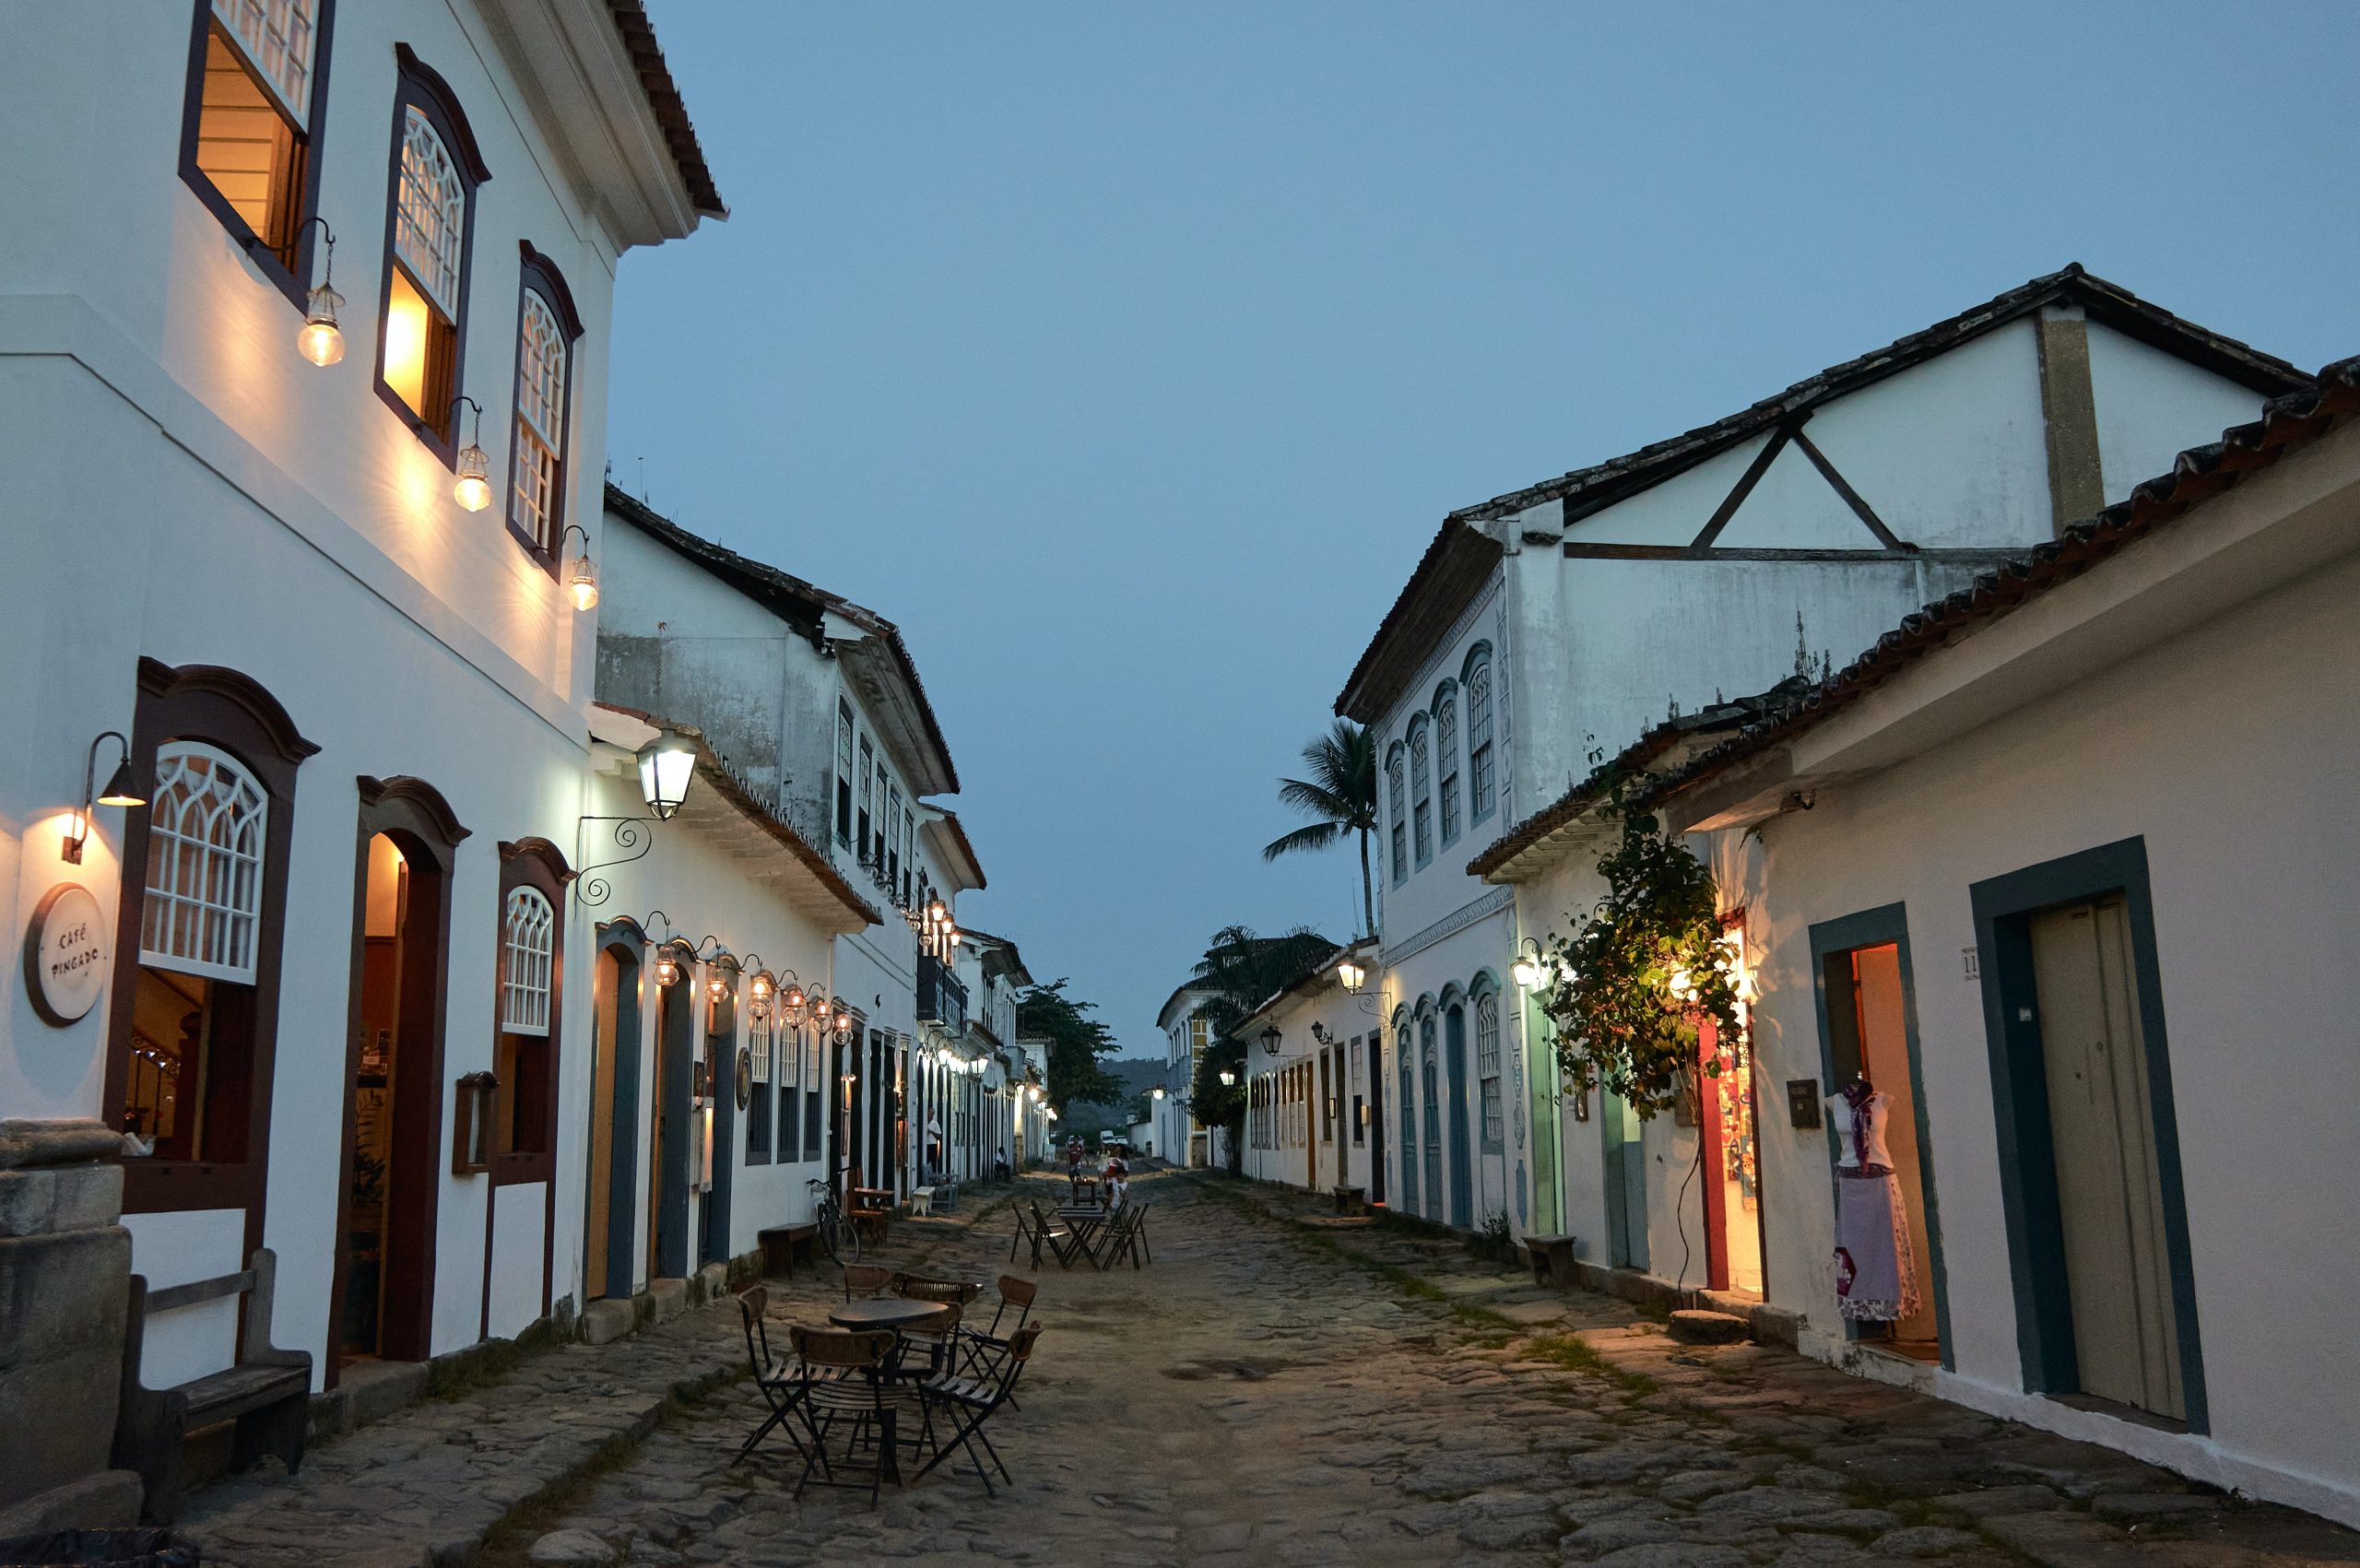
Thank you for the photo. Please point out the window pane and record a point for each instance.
(526, 948)
(409, 327)
(275, 39)
(204, 842)
(431, 215)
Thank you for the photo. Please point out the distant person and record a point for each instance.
(1119, 1177)
(1073, 1168)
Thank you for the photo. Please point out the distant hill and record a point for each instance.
(1137, 1074)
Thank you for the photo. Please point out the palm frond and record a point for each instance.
(1318, 835)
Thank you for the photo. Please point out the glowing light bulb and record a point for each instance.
(474, 488)
(321, 340)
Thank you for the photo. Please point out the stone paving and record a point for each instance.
(1267, 1391)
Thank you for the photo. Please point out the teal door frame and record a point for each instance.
(2003, 909)
(624, 942)
(1840, 1053)
(1404, 1059)
(1430, 1081)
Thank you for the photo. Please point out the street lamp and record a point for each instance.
(1271, 1038)
(1228, 1079)
(1352, 975)
(1526, 969)
(664, 769)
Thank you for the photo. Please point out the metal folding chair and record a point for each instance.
(780, 1389)
(841, 1378)
(969, 1402)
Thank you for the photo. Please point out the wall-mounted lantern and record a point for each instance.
(1228, 1079)
(121, 789)
(581, 576)
(472, 490)
(1353, 975)
(1271, 1038)
(320, 340)
(1526, 971)
(665, 766)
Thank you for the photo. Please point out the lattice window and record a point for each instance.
(205, 848)
(1487, 1065)
(1421, 809)
(1446, 758)
(757, 1053)
(1479, 737)
(1398, 796)
(431, 217)
(277, 37)
(541, 356)
(527, 946)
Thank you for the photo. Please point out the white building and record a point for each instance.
(1187, 1035)
(993, 973)
(2056, 865)
(1550, 623)
(815, 703)
(327, 606)
(711, 1087)
(1315, 1107)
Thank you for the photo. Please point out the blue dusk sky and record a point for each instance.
(1127, 356)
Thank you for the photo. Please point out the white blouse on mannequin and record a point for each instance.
(1877, 1105)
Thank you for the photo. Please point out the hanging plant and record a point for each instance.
(1629, 988)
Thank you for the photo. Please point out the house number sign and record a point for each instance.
(66, 954)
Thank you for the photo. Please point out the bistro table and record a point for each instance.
(885, 1312)
(1084, 1221)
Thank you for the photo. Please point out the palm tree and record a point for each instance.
(1341, 793)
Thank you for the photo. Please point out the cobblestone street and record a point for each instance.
(1267, 1391)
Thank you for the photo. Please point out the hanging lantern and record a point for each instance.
(664, 770)
(668, 968)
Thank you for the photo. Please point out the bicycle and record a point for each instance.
(838, 1235)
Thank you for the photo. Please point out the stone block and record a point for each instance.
(106, 1500)
(26, 1141)
(44, 1199)
(63, 1292)
(709, 1284)
(57, 1419)
(2142, 1507)
(1690, 1326)
(578, 1546)
(669, 1298)
(605, 1321)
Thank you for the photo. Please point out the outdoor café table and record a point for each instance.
(885, 1312)
(1085, 1223)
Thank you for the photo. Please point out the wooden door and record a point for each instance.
(2110, 1193)
(597, 1185)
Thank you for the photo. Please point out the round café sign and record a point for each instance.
(66, 954)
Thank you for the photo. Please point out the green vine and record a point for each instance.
(1628, 990)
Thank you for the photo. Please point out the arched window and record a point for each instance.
(533, 875)
(205, 863)
(1478, 733)
(257, 92)
(1446, 757)
(1421, 797)
(430, 214)
(546, 329)
(1487, 1061)
(192, 1027)
(527, 944)
(1397, 799)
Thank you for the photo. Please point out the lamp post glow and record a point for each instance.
(1526, 969)
(1352, 974)
(320, 340)
(1228, 1079)
(664, 769)
(473, 487)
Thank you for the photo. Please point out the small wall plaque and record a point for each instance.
(66, 954)
(1802, 1101)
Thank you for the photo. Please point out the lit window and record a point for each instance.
(436, 172)
(546, 329)
(247, 147)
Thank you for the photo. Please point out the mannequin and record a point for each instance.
(1876, 1274)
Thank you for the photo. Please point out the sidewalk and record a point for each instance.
(425, 1486)
(1897, 1472)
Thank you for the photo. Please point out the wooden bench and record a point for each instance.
(1553, 1260)
(268, 1393)
(1350, 1200)
(779, 1244)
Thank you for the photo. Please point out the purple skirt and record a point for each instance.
(1876, 1271)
